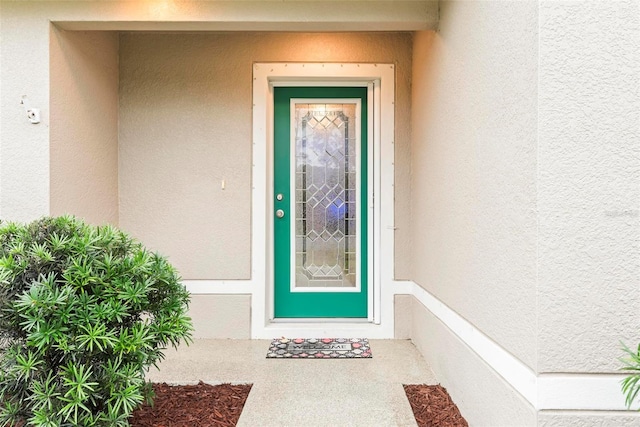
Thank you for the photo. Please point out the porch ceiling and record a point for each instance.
(269, 15)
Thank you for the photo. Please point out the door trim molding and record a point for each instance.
(380, 78)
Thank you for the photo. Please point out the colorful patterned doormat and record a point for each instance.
(319, 348)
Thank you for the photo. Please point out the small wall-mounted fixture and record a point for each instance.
(33, 114)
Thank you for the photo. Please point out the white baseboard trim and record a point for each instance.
(224, 287)
(516, 373)
(584, 392)
(571, 392)
(562, 391)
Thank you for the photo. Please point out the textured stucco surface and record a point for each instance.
(84, 125)
(24, 70)
(185, 125)
(24, 64)
(221, 316)
(588, 184)
(592, 419)
(473, 164)
(483, 397)
(498, 186)
(403, 310)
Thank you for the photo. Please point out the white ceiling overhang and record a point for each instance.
(245, 15)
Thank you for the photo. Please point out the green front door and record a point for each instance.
(320, 202)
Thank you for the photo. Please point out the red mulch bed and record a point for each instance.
(432, 406)
(200, 405)
(204, 405)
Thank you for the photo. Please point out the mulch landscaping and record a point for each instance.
(200, 405)
(205, 405)
(432, 406)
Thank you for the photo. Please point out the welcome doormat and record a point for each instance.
(319, 348)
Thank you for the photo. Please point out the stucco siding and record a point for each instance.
(221, 316)
(185, 126)
(84, 125)
(483, 397)
(403, 310)
(25, 190)
(517, 161)
(24, 71)
(473, 163)
(588, 184)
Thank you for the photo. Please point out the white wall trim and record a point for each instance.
(516, 373)
(561, 391)
(223, 287)
(382, 79)
(595, 392)
(547, 391)
(306, 328)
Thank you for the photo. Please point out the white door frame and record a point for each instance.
(379, 78)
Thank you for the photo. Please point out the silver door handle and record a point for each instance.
(280, 213)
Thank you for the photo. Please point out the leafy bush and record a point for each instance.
(85, 312)
(631, 384)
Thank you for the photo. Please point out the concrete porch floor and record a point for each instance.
(305, 392)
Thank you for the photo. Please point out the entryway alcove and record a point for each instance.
(152, 132)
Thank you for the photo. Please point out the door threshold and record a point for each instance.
(320, 320)
(328, 328)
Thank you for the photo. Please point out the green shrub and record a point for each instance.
(631, 384)
(85, 312)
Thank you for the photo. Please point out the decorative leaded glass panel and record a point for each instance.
(325, 223)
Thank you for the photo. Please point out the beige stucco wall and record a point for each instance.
(24, 60)
(526, 191)
(485, 173)
(221, 316)
(473, 191)
(483, 397)
(403, 313)
(84, 125)
(24, 70)
(588, 184)
(185, 126)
